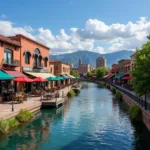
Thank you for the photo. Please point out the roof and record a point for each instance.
(57, 61)
(9, 41)
(133, 54)
(23, 36)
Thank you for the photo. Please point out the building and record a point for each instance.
(9, 54)
(127, 66)
(60, 68)
(121, 66)
(114, 69)
(83, 69)
(101, 62)
(34, 57)
(132, 61)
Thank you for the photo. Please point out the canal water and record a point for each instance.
(92, 120)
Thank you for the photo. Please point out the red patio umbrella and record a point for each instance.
(127, 78)
(39, 79)
(93, 76)
(22, 79)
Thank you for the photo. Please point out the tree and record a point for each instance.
(141, 72)
(100, 72)
(74, 73)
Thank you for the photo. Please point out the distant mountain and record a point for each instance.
(90, 57)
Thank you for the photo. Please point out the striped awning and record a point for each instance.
(40, 74)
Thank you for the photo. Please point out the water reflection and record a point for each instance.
(91, 120)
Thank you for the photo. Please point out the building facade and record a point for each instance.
(121, 66)
(132, 61)
(101, 62)
(114, 69)
(83, 69)
(60, 68)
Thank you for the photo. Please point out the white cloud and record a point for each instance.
(117, 36)
(99, 49)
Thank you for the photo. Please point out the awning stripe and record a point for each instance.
(40, 74)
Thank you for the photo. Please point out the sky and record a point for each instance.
(66, 26)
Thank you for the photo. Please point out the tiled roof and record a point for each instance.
(8, 40)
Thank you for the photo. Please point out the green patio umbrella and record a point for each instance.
(5, 76)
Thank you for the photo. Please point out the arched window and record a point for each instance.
(39, 61)
(8, 56)
(37, 51)
(45, 61)
(27, 57)
(37, 58)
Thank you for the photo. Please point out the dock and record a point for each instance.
(54, 102)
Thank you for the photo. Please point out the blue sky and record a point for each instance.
(42, 20)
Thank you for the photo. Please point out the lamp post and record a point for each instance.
(12, 97)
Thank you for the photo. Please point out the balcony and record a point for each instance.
(11, 62)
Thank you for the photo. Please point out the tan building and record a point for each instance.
(59, 68)
(121, 66)
(101, 62)
(83, 69)
(132, 61)
(114, 69)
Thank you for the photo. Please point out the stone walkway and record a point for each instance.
(6, 108)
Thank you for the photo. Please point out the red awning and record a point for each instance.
(93, 76)
(39, 79)
(22, 79)
(127, 78)
(15, 73)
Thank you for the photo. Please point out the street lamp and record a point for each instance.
(12, 97)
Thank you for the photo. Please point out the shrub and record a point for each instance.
(119, 96)
(13, 122)
(24, 115)
(108, 86)
(113, 90)
(71, 93)
(4, 126)
(77, 91)
(135, 113)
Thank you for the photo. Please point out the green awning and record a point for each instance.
(5, 76)
(119, 76)
(52, 79)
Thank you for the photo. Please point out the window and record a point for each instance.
(8, 56)
(37, 58)
(39, 61)
(51, 70)
(27, 57)
(45, 61)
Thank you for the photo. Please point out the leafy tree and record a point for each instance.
(100, 72)
(141, 72)
(74, 73)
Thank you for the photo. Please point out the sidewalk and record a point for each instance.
(6, 108)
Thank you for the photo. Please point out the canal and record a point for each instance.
(90, 121)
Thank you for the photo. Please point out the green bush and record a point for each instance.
(119, 96)
(4, 126)
(113, 90)
(13, 122)
(24, 115)
(71, 93)
(108, 86)
(135, 113)
(77, 91)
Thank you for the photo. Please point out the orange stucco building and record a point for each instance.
(33, 55)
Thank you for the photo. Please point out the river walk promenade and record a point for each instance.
(31, 104)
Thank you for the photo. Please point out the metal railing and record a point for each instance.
(12, 62)
(144, 104)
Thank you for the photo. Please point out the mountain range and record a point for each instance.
(88, 57)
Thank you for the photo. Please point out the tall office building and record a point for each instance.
(101, 62)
